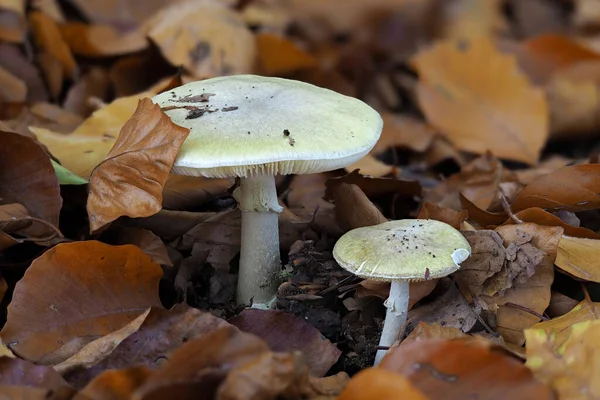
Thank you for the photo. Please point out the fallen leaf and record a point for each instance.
(285, 333)
(161, 333)
(115, 384)
(131, 179)
(278, 56)
(147, 241)
(464, 368)
(572, 188)
(579, 257)
(58, 307)
(472, 18)
(369, 165)
(55, 57)
(94, 84)
(570, 370)
(185, 34)
(560, 305)
(95, 351)
(559, 328)
(14, 24)
(538, 216)
(190, 192)
(12, 89)
(353, 209)
(13, 60)
(551, 164)
(16, 372)
(506, 115)
(532, 294)
(101, 40)
(66, 177)
(27, 178)
(443, 214)
(432, 331)
(86, 147)
(375, 187)
(400, 130)
(380, 384)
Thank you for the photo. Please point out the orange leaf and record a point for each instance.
(479, 109)
(75, 293)
(464, 368)
(572, 188)
(131, 179)
(379, 384)
(278, 56)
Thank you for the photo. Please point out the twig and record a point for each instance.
(508, 210)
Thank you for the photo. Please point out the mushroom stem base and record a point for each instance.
(395, 317)
(259, 254)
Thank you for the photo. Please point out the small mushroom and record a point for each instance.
(401, 252)
(329, 130)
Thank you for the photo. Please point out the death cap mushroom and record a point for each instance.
(247, 125)
(409, 250)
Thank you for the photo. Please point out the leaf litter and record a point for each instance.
(118, 277)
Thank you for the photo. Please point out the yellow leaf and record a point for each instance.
(87, 146)
(571, 369)
(479, 109)
(579, 257)
(559, 327)
(278, 56)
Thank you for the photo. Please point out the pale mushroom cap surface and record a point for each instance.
(257, 125)
(410, 249)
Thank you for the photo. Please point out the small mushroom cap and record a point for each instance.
(409, 249)
(247, 125)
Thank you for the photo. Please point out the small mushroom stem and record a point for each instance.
(259, 256)
(395, 317)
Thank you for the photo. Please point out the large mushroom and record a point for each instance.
(254, 128)
(401, 252)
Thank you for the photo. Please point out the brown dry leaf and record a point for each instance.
(94, 84)
(551, 164)
(278, 56)
(538, 216)
(115, 384)
(55, 57)
(353, 209)
(534, 293)
(161, 333)
(14, 25)
(12, 89)
(13, 59)
(572, 188)
(229, 364)
(16, 372)
(190, 192)
(560, 305)
(418, 290)
(579, 257)
(86, 147)
(380, 384)
(151, 244)
(101, 40)
(506, 115)
(13, 217)
(27, 178)
(58, 306)
(370, 166)
(95, 351)
(401, 130)
(586, 13)
(572, 369)
(206, 37)
(131, 179)
(432, 331)
(443, 214)
(449, 309)
(375, 187)
(574, 100)
(477, 181)
(464, 368)
(330, 386)
(284, 332)
(559, 328)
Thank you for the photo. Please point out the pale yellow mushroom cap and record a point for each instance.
(409, 249)
(252, 125)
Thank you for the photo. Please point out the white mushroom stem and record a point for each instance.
(259, 256)
(395, 316)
